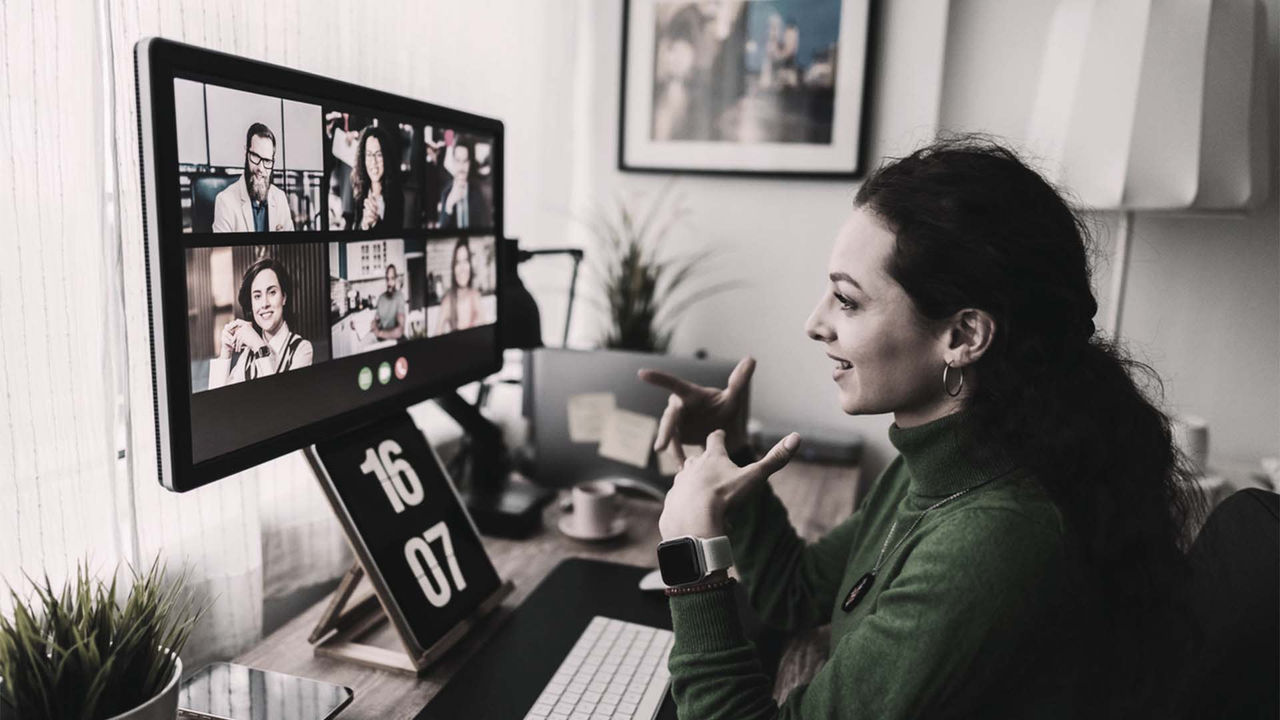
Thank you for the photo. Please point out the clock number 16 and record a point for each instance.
(395, 474)
(404, 489)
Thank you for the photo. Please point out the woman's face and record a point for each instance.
(887, 359)
(268, 301)
(373, 158)
(462, 268)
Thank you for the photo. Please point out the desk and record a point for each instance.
(817, 497)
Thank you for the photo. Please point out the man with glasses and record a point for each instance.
(252, 203)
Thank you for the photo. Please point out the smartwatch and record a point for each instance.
(686, 560)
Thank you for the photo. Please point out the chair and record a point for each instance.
(1235, 595)
(204, 191)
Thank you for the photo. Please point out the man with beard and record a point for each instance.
(252, 203)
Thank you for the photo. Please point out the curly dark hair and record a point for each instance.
(977, 228)
(360, 182)
(245, 296)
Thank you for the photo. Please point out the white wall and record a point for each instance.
(1204, 297)
(1203, 300)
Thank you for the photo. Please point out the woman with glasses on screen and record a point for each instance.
(460, 308)
(263, 344)
(377, 203)
(1023, 555)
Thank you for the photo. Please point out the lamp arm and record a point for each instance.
(1119, 272)
(576, 254)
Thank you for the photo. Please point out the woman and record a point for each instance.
(460, 309)
(1023, 555)
(377, 203)
(264, 344)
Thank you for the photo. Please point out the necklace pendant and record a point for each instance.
(858, 591)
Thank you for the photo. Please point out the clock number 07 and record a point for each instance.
(395, 474)
(432, 578)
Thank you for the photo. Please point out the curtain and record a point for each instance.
(78, 474)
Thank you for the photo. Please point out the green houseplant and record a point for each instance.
(80, 653)
(646, 288)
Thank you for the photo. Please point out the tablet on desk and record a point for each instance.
(229, 691)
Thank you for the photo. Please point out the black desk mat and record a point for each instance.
(501, 681)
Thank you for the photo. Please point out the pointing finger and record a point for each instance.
(741, 375)
(669, 423)
(777, 457)
(667, 381)
(715, 442)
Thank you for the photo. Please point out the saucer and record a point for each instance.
(616, 528)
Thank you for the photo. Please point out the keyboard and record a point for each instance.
(616, 670)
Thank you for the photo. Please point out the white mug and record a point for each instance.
(595, 506)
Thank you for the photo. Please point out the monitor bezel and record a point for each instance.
(157, 62)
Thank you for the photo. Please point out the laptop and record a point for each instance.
(554, 375)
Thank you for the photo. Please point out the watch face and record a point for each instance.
(678, 561)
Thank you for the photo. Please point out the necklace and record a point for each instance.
(860, 588)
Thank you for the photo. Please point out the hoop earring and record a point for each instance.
(946, 386)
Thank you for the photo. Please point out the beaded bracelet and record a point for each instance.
(690, 589)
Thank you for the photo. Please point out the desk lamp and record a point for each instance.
(485, 466)
(1154, 105)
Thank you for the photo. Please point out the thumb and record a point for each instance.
(777, 457)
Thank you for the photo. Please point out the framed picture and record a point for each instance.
(759, 87)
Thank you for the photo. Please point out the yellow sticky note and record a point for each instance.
(628, 437)
(587, 414)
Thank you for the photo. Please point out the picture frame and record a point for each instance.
(770, 88)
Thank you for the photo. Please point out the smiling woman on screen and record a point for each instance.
(264, 344)
(1023, 555)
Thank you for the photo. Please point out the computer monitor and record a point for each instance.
(319, 254)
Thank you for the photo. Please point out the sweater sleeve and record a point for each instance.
(789, 583)
(951, 625)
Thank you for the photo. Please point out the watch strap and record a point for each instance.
(717, 553)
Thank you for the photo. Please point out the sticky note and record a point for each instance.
(587, 413)
(628, 437)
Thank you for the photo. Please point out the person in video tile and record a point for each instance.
(378, 202)
(252, 203)
(462, 204)
(461, 306)
(262, 345)
(388, 318)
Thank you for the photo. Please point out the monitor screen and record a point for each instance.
(319, 254)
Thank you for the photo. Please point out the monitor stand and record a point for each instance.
(501, 500)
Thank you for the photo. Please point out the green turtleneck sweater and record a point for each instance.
(974, 615)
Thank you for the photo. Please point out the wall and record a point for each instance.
(1203, 300)
(1213, 339)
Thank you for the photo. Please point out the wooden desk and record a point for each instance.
(817, 498)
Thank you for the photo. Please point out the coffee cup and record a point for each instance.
(595, 508)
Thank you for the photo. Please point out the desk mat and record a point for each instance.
(501, 681)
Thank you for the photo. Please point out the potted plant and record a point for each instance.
(645, 287)
(78, 653)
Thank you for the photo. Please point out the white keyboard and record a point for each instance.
(616, 670)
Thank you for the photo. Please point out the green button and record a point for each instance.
(365, 378)
(384, 373)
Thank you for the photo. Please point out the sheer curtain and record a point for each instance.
(75, 383)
